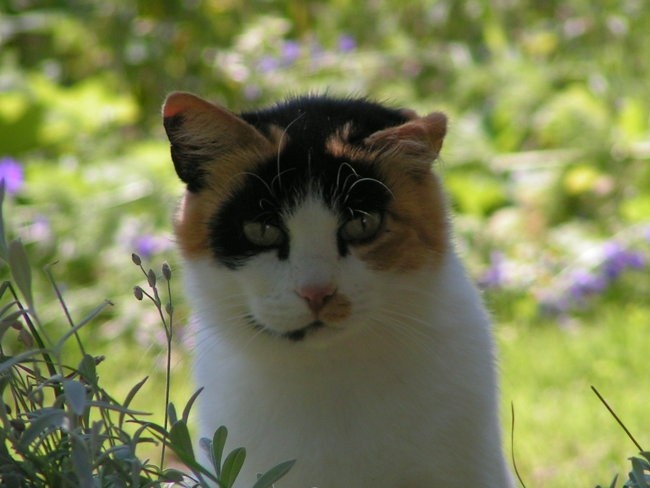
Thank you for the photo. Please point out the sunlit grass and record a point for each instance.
(564, 436)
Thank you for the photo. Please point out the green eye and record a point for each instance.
(361, 228)
(263, 235)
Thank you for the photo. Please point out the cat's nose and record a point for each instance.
(316, 296)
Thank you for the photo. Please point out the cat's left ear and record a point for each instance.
(418, 140)
(204, 136)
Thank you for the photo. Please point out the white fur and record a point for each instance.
(402, 394)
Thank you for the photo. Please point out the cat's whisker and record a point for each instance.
(404, 329)
(265, 201)
(408, 317)
(397, 333)
(345, 184)
(411, 289)
(278, 177)
(337, 186)
(281, 145)
(268, 187)
(259, 332)
(373, 180)
(337, 181)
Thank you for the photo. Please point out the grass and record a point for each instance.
(564, 436)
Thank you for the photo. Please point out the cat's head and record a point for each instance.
(302, 211)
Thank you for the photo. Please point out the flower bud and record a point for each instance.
(166, 271)
(151, 278)
(138, 293)
(136, 259)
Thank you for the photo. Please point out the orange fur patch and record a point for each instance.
(416, 227)
(235, 147)
(223, 178)
(416, 231)
(337, 308)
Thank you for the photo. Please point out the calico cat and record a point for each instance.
(334, 323)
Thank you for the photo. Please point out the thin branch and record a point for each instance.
(512, 444)
(616, 417)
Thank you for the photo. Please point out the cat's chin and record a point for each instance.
(316, 332)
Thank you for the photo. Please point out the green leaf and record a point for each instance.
(613, 485)
(88, 370)
(75, 396)
(218, 444)
(180, 440)
(172, 476)
(191, 463)
(117, 408)
(638, 473)
(171, 412)
(232, 466)
(72, 331)
(274, 474)
(20, 270)
(45, 420)
(190, 402)
(9, 362)
(9, 320)
(129, 398)
(81, 462)
(3, 240)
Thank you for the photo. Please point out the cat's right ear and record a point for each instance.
(202, 134)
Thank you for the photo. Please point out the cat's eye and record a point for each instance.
(361, 228)
(263, 234)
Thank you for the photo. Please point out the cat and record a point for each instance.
(334, 323)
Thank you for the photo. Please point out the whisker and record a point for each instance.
(281, 143)
(400, 330)
(411, 318)
(279, 175)
(361, 180)
(259, 178)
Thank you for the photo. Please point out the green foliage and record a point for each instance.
(60, 427)
(546, 162)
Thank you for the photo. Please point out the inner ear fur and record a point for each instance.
(419, 140)
(202, 133)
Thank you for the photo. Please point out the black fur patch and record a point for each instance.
(188, 165)
(279, 184)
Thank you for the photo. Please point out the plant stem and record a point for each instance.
(616, 417)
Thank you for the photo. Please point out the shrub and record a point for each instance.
(60, 427)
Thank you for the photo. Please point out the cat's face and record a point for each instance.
(306, 210)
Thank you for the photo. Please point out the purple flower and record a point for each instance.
(290, 52)
(11, 172)
(617, 259)
(494, 275)
(268, 64)
(252, 92)
(146, 246)
(636, 260)
(584, 283)
(347, 43)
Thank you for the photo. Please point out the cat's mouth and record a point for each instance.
(295, 335)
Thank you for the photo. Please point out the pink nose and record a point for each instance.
(316, 296)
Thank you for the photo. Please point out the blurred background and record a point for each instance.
(547, 164)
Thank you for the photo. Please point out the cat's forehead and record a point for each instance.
(314, 119)
(317, 149)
